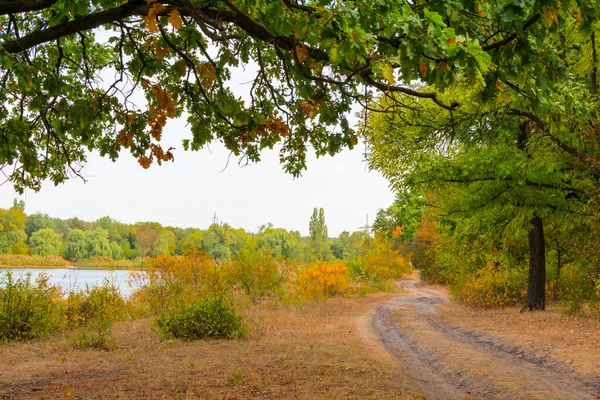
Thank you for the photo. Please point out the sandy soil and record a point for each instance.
(451, 359)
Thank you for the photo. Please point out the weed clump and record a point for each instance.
(93, 311)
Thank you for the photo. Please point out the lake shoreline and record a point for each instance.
(71, 267)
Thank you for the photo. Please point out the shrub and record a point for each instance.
(28, 310)
(256, 273)
(204, 318)
(93, 311)
(323, 279)
(376, 268)
(577, 288)
(493, 286)
(170, 280)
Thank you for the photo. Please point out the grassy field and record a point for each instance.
(319, 351)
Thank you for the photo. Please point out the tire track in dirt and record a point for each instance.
(436, 354)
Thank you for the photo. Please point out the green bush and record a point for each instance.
(28, 310)
(204, 318)
(577, 289)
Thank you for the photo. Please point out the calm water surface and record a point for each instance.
(71, 279)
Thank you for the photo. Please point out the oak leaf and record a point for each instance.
(175, 19)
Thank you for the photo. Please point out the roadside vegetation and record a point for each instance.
(190, 296)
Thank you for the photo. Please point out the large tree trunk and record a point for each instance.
(536, 288)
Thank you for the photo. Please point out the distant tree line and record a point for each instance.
(75, 239)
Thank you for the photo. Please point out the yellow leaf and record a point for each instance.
(151, 23)
(175, 19)
(302, 52)
(388, 74)
(353, 140)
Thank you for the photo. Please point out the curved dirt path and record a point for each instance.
(448, 362)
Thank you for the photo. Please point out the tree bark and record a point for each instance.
(536, 288)
(19, 6)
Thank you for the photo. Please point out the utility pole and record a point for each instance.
(214, 218)
(367, 227)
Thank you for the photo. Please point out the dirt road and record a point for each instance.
(449, 362)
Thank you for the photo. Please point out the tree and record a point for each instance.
(318, 234)
(221, 241)
(192, 242)
(37, 221)
(147, 235)
(166, 244)
(498, 167)
(76, 246)
(346, 246)
(98, 243)
(280, 242)
(400, 220)
(46, 242)
(313, 61)
(12, 222)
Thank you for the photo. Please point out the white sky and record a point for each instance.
(187, 192)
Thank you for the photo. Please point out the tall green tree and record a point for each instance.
(46, 242)
(317, 229)
(75, 246)
(37, 221)
(280, 242)
(98, 243)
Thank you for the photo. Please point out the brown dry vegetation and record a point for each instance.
(570, 340)
(323, 350)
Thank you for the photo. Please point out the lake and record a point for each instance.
(70, 278)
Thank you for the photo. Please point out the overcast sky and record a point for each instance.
(187, 192)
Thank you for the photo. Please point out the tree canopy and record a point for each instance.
(106, 75)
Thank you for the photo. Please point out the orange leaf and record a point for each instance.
(307, 109)
(451, 41)
(423, 69)
(175, 19)
(145, 162)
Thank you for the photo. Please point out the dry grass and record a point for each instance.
(320, 351)
(571, 340)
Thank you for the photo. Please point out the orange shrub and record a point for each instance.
(323, 279)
